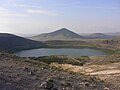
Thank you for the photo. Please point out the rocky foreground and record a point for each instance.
(23, 74)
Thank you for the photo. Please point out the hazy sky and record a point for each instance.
(40, 16)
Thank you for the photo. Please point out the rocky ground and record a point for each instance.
(23, 74)
(106, 68)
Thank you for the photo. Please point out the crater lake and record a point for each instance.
(61, 51)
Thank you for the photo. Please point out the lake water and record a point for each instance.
(61, 51)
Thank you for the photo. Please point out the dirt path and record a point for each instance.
(106, 72)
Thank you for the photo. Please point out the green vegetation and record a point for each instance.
(62, 60)
(68, 44)
(103, 60)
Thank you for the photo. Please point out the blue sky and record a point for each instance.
(40, 16)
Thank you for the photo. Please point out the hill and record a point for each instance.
(65, 34)
(114, 33)
(98, 36)
(10, 42)
(61, 34)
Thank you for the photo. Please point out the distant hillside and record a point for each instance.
(67, 44)
(98, 36)
(65, 34)
(10, 42)
(114, 34)
(61, 34)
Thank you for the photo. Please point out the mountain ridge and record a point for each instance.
(66, 34)
(11, 42)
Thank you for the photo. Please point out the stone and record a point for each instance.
(106, 88)
(47, 85)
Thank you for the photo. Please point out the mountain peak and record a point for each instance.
(62, 30)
